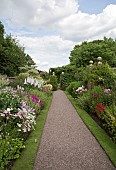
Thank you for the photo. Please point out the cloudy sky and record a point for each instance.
(49, 29)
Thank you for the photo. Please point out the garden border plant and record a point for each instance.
(101, 136)
(27, 157)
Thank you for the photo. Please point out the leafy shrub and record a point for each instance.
(65, 80)
(10, 149)
(53, 82)
(47, 87)
(9, 100)
(108, 117)
(102, 75)
(4, 80)
(101, 102)
(73, 86)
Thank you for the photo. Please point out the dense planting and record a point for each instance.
(19, 109)
(98, 96)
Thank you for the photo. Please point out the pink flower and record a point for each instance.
(29, 129)
(80, 90)
(19, 114)
(24, 129)
(2, 114)
(106, 90)
(23, 103)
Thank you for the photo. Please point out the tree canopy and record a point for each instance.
(12, 55)
(82, 54)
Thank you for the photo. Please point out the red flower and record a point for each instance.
(100, 108)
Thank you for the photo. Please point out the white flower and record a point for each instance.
(18, 87)
(19, 125)
(25, 82)
(8, 109)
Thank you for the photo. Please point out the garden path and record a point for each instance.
(66, 143)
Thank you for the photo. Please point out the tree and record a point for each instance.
(1, 32)
(82, 54)
(29, 60)
(12, 55)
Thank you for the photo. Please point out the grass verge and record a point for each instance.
(101, 136)
(27, 158)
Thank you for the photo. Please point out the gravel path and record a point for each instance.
(66, 143)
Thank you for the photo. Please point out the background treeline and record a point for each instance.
(80, 57)
(12, 55)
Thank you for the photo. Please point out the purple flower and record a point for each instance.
(41, 103)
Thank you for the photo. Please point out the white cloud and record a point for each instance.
(47, 51)
(81, 26)
(45, 63)
(37, 12)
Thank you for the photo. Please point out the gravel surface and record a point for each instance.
(66, 143)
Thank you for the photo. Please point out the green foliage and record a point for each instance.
(10, 149)
(73, 86)
(98, 101)
(108, 117)
(4, 80)
(29, 71)
(53, 82)
(9, 100)
(34, 73)
(103, 75)
(1, 33)
(66, 79)
(82, 54)
(82, 74)
(68, 69)
(29, 60)
(12, 55)
(91, 98)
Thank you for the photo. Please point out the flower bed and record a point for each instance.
(19, 109)
(100, 103)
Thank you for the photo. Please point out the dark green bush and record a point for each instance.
(53, 82)
(73, 87)
(65, 80)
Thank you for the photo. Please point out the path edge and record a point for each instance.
(35, 135)
(105, 142)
